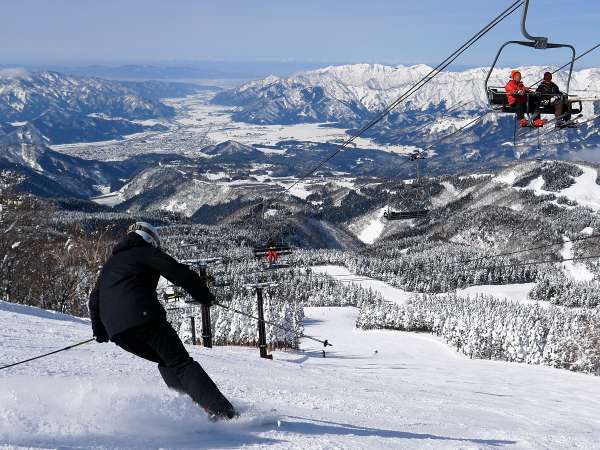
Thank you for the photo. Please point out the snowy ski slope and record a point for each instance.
(376, 389)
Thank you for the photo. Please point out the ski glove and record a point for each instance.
(100, 333)
(98, 330)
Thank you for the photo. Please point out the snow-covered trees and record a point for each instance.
(485, 327)
(557, 175)
(39, 264)
(283, 305)
(558, 289)
(297, 287)
(425, 267)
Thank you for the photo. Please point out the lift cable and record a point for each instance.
(454, 108)
(587, 52)
(516, 252)
(417, 86)
(460, 130)
(531, 263)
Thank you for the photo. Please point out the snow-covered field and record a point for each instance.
(585, 191)
(376, 389)
(216, 122)
(198, 124)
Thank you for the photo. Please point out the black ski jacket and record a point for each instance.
(548, 89)
(125, 297)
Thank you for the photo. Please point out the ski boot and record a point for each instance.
(538, 123)
(221, 410)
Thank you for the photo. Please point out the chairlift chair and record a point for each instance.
(415, 213)
(497, 94)
(405, 215)
(270, 255)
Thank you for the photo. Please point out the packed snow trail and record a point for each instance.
(373, 229)
(576, 271)
(343, 275)
(376, 389)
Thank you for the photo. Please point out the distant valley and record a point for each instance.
(66, 109)
(207, 154)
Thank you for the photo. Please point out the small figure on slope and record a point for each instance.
(124, 308)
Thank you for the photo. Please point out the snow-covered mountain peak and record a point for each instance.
(228, 148)
(356, 91)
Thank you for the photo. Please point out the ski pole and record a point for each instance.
(47, 354)
(325, 342)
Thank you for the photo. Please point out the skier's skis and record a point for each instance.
(250, 417)
(567, 126)
(571, 123)
(529, 128)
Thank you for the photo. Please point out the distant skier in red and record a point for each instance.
(272, 255)
(124, 308)
(518, 98)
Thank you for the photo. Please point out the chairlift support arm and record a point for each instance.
(540, 42)
(536, 42)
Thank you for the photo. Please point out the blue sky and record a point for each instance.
(389, 31)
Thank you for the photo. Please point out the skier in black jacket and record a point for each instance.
(124, 308)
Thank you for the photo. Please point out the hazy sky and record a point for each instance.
(116, 31)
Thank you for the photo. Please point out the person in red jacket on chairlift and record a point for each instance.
(520, 100)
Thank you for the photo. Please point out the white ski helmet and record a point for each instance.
(147, 232)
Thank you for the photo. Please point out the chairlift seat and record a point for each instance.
(499, 101)
(276, 266)
(405, 215)
(281, 249)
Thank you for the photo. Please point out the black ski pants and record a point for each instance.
(530, 107)
(158, 342)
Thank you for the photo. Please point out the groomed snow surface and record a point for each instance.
(375, 389)
(373, 228)
(584, 191)
(344, 276)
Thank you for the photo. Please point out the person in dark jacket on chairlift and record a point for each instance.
(552, 95)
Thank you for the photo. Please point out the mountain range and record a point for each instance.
(344, 94)
(350, 95)
(223, 182)
(67, 109)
